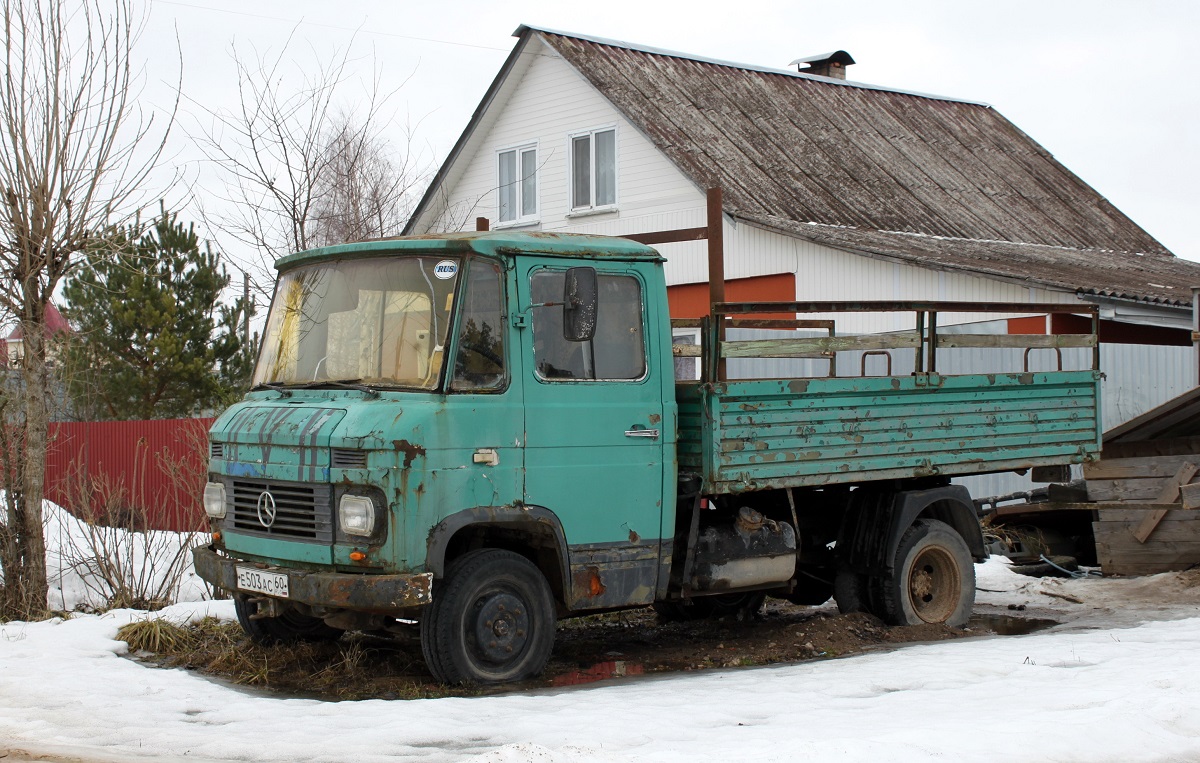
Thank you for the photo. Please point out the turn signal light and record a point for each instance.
(357, 556)
(216, 535)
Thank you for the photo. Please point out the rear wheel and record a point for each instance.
(850, 592)
(287, 628)
(491, 620)
(933, 580)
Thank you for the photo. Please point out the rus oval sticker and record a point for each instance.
(445, 269)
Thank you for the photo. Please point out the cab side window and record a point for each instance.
(479, 364)
(618, 351)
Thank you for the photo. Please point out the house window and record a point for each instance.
(686, 368)
(594, 169)
(517, 170)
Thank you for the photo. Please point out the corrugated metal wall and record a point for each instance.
(147, 473)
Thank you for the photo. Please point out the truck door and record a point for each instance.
(594, 435)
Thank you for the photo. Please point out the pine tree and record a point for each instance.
(153, 338)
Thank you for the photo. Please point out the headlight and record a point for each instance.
(214, 500)
(356, 514)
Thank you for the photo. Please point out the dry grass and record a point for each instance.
(358, 666)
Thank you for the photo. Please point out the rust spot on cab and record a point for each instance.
(634, 537)
(409, 450)
(655, 418)
(587, 583)
(799, 386)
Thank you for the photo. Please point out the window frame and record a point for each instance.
(519, 149)
(646, 359)
(574, 210)
(451, 365)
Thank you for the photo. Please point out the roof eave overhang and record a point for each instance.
(1131, 308)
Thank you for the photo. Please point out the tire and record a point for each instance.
(850, 592)
(739, 605)
(287, 628)
(933, 580)
(491, 620)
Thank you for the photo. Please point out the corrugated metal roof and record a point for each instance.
(1156, 279)
(869, 165)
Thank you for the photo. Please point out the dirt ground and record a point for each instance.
(587, 649)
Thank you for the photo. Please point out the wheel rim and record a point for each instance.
(933, 585)
(499, 628)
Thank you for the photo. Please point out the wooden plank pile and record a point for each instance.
(1146, 511)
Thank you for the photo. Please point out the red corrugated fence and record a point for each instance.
(130, 473)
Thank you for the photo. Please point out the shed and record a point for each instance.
(1147, 479)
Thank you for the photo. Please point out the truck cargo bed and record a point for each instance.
(774, 433)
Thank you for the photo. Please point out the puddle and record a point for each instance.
(599, 672)
(1009, 625)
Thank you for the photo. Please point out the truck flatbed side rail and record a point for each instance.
(923, 339)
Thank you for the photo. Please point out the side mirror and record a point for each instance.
(579, 305)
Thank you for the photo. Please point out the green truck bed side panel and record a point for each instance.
(810, 432)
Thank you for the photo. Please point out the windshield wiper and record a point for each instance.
(285, 390)
(341, 384)
(277, 386)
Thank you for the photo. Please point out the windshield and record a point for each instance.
(379, 321)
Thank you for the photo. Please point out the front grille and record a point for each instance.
(347, 458)
(303, 511)
(216, 450)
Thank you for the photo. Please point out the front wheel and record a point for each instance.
(934, 577)
(287, 628)
(491, 620)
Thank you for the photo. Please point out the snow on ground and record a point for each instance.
(73, 546)
(1100, 688)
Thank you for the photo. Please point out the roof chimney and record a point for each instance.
(832, 65)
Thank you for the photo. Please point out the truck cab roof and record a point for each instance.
(492, 243)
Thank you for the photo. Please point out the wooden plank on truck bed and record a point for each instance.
(784, 348)
(1169, 493)
(1017, 341)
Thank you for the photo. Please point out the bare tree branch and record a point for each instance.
(299, 170)
(76, 155)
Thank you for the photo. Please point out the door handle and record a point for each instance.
(642, 432)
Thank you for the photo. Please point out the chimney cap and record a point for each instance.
(840, 57)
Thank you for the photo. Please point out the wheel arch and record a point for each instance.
(533, 532)
(877, 520)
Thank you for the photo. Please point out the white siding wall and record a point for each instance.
(548, 103)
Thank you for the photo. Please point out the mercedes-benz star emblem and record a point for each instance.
(266, 509)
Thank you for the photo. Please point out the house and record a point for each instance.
(14, 345)
(832, 190)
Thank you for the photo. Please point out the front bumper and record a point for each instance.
(376, 594)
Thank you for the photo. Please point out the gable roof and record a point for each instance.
(936, 181)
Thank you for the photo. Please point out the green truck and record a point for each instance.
(484, 432)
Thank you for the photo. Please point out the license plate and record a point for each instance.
(261, 581)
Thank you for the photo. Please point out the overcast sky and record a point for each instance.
(1109, 88)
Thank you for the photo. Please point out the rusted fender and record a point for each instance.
(378, 594)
